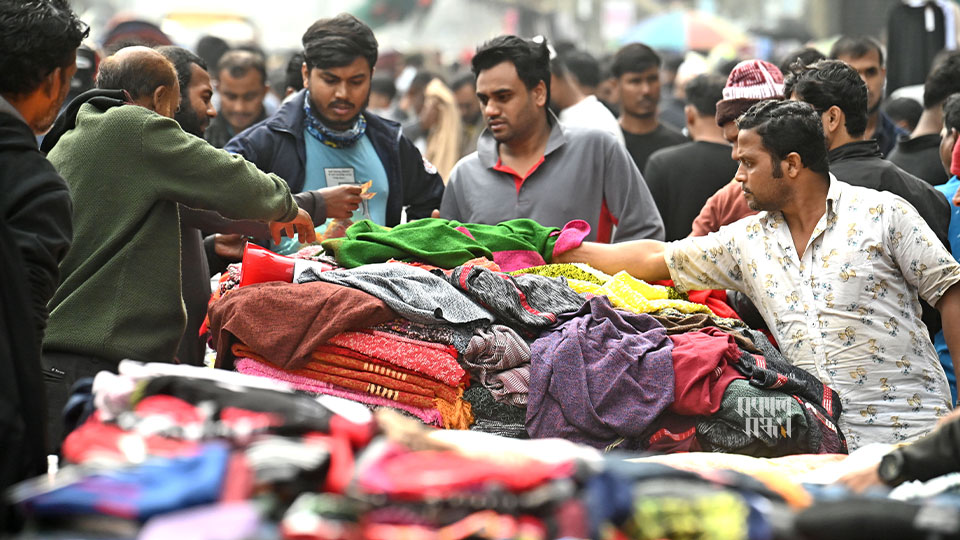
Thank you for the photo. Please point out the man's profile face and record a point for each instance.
(59, 91)
(510, 109)
(467, 103)
(339, 94)
(762, 183)
(873, 75)
(640, 92)
(948, 139)
(241, 98)
(196, 111)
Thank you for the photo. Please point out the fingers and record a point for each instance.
(306, 234)
(435, 213)
(275, 230)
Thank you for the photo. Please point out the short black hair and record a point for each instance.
(942, 82)
(583, 66)
(903, 109)
(634, 58)
(211, 48)
(789, 126)
(182, 59)
(856, 47)
(806, 56)
(421, 80)
(239, 62)
(338, 41)
(531, 59)
(463, 79)
(951, 112)
(704, 91)
(383, 84)
(293, 76)
(828, 83)
(38, 37)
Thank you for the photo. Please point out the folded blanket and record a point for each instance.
(286, 322)
(264, 369)
(455, 411)
(434, 360)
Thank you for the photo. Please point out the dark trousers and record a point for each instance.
(60, 371)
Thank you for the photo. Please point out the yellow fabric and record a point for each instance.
(638, 296)
(623, 290)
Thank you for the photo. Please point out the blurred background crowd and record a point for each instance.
(426, 45)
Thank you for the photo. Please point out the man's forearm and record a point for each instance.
(949, 308)
(641, 258)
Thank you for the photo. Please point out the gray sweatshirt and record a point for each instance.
(582, 169)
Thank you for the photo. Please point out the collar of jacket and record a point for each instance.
(101, 99)
(858, 149)
(15, 134)
(487, 146)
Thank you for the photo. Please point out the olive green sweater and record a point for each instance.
(127, 168)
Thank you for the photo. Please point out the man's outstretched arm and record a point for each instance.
(642, 259)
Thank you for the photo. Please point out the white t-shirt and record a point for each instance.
(590, 113)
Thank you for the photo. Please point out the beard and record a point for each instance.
(334, 124)
(189, 120)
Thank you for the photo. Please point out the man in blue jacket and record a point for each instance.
(325, 137)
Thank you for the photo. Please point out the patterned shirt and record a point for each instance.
(847, 310)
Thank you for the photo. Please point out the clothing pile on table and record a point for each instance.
(167, 451)
(467, 326)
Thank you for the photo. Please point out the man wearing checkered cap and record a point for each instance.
(749, 82)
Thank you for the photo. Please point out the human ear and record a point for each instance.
(794, 164)
(540, 94)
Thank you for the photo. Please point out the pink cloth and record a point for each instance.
(571, 236)
(431, 359)
(252, 367)
(703, 365)
(517, 259)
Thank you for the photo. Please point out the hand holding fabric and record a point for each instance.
(302, 225)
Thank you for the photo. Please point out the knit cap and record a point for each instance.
(749, 82)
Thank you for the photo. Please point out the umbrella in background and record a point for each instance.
(685, 31)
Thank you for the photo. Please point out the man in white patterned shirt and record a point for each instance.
(834, 269)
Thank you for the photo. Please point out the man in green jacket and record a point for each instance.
(128, 164)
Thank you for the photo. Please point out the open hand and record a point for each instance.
(302, 225)
(341, 200)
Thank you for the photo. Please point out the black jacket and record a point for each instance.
(859, 163)
(36, 206)
(22, 403)
(276, 145)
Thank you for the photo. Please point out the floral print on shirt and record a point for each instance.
(847, 311)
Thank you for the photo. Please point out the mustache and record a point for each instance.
(340, 103)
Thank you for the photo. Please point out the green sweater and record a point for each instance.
(127, 168)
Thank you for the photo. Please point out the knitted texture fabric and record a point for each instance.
(500, 360)
(106, 306)
(599, 376)
(458, 336)
(440, 242)
(367, 377)
(526, 302)
(579, 271)
(430, 359)
(485, 407)
(307, 384)
(412, 293)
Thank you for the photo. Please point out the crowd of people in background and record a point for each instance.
(156, 163)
